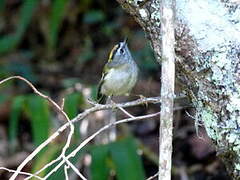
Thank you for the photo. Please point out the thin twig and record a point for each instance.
(62, 128)
(66, 167)
(97, 107)
(81, 116)
(152, 177)
(74, 169)
(66, 146)
(44, 167)
(125, 112)
(62, 104)
(38, 93)
(86, 141)
(59, 110)
(23, 173)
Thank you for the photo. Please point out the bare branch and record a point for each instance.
(81, 116)
(44, 167)
(86, 141)
(125, 112)
(66, 167)
(97, 107)
(23, 173)
(54, 104)
(58, 109)
(152, 177)
(74, 168)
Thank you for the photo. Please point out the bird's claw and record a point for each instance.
(142, 98)
(92, 102)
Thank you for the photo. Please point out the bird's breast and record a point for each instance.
(119, 81)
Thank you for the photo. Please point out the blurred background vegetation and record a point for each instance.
(61, 46)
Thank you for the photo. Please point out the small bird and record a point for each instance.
(119, 74)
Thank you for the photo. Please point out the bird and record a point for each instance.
(119, 75)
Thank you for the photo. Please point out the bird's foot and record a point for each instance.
(115, 107)
(113, 104)
(92, 102)
(142, 98)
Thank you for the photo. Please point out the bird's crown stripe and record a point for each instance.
(113, 51)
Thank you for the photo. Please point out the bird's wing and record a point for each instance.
(101, 98)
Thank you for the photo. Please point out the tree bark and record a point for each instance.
(167, 89)
(207, 51)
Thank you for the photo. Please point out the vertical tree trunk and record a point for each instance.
(167, 89)
(208, 64)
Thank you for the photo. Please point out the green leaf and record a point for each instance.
(146, 59)
(9, 42)
(94, 90)
(69, 82)
(72, 103)
(2, 5)
(71, 107)
(108, 28)
(126, 160)
(94, 16)
(59, 175)
(38, 111)
(88, 51)
(57, 14)
(3, 98)
(45, 157)
(26, 14)
(99, 168)
(16, 109)
(21, 69)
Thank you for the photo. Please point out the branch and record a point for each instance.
(54, 104)
(154, 176)
(79, 117)
(97, 107)
(66, 167)
(21, 172)
(86, 141)
(58, 109)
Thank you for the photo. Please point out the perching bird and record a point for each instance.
(119, 74)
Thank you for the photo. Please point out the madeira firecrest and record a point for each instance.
(119, 74)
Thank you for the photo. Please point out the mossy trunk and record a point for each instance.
(208, 64)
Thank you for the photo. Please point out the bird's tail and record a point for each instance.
(101, 98)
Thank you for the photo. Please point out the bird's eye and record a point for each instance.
(121, 51)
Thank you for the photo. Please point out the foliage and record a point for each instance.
(71, 107)
(16, 109)
(9, 42)
(120, 156)
(56, 44)
(56, 18)
(38, 111)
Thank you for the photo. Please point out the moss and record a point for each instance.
(156, 13)
(210, 122)
(234, 104)
(143, 13)
(237, 166)
(232, 137)
(135, 3)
